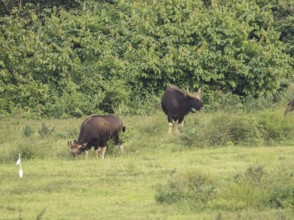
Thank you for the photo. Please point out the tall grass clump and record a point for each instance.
(222, 129)
(194, 188)
(255, 187)
(45, 130)
(246, 129)
(277, 129)
(28, 131)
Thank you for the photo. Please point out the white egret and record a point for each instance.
(20, 171)
(18, 161)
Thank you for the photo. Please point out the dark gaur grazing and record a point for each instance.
(94, 132)
(116, 126)
(290, 107)
(176, 104)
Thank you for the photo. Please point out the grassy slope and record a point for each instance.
(57, 187)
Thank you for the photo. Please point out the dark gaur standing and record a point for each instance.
(95, 131)
(116, 126)
(176, 104)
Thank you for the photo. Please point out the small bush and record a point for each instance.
(253, 188)
(227, 102)
(26, 151)
(193, 187)
(27, 131)
(253, 175)
(248, 129)
(41, 214)
(45, 130)
(256, 188)
(282, 198)
(223, 129)
(276, 128)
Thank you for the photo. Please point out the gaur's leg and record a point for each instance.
(170, 122)
(181, 122)
(121, 147)
(115, 139)
(97, 152)
(86, 154)
(176, 126)
(103, 150)
(118, 142)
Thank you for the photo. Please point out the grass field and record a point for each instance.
(156, 178)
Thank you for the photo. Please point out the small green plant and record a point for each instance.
(41, 214)
(253, 175)
(27, 152)
(282, 198)
(45, 130)
(27, 131)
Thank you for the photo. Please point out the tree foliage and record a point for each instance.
(117, 55)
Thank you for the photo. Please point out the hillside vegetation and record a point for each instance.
(70, 59)
(62, 61)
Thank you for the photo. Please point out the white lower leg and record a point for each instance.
(86, 154)
(121, 147)
(176, 127)
(182, 125)
(170, 127)
(103, 152)
(97, 152)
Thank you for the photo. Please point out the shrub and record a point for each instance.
(256, 188)
(45, 130)
(253, 175)
(27, 131)
(194, 188)
(282, 198)
(276, 128)
(222, 129)
(265, 127)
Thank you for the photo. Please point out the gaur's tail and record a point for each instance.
(123, 129)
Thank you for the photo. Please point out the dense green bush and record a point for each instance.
(276, 128)
(246, 129)
(99, 57)
(222, 129)
(27, 131)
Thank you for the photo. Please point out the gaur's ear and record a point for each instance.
(69, 143)
(84, 144)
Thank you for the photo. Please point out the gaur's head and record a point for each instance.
(195, 101)
(76, 148)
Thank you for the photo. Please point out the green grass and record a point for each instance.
(158, 177)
